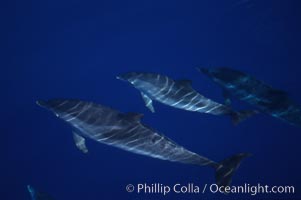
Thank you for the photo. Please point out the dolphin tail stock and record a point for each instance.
(239, 116)
(226, 168)
(201, 69)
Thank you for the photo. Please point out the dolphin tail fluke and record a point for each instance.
(225, 169)
(240, 116)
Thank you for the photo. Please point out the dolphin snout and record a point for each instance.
(41, 103)
(203, 70)
(118, 77)
(125, 77)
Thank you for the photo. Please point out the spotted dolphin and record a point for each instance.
(125, 131)
(267, 99)
(178, 94)
(37, 195)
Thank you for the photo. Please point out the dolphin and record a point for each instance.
(36, 195)
(178, 94)
(267, 99)
(125, 131)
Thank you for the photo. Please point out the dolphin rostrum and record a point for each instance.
(272, 101)
(125, 131)
(179, 94)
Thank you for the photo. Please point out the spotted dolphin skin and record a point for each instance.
(36, 195)
(178, 94)
(255, 92)
(125, 131)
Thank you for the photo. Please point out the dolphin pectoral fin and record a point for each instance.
(148, 102)
(80, 142)
(226, 96)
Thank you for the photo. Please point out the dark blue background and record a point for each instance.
(74, 49)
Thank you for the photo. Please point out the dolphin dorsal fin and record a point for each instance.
(278, 92)
(134, 116)
(80, 142)
(185, 82)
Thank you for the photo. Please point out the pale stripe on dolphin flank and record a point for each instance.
(179, 94)
(164, 96)
(194, 105)
(179, 90)
(62, 103)
(163, 88)
(126, 132)
(212, 109)
(78, 114)
(176, 103)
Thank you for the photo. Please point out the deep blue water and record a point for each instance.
(74, 49)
